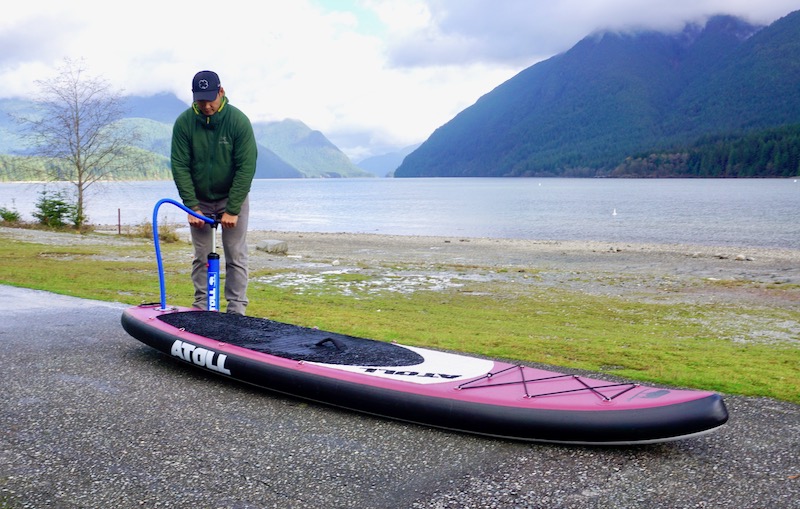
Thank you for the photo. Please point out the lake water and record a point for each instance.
(744, 212)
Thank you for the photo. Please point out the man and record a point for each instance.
(213, 164)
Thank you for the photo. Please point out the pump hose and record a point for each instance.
(162, 287)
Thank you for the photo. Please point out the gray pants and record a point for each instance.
(234, 246)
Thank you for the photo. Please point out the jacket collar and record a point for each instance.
(216, 117)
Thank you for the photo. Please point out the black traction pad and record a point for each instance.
(291, 341)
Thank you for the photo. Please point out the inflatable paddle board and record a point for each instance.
(423, 386)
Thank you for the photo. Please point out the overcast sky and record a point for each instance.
(372, 75)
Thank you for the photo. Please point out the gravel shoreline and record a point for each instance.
(488, 252)
(675, 272)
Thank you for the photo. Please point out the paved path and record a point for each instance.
(91, 418)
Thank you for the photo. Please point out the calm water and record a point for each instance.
(742, 212)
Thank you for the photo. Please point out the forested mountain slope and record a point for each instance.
(617, 95)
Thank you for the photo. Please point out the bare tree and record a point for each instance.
(78, 130)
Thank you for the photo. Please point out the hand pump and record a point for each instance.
(213, 269)
(162, 286)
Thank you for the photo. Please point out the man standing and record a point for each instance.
(213, 164)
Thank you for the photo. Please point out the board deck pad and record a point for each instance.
(291, 341)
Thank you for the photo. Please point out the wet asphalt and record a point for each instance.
(92, 418)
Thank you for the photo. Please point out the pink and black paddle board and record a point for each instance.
(423, 386)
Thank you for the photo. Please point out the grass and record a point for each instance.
(717, 347)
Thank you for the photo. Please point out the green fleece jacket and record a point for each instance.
(213, 157)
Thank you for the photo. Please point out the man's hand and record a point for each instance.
(196, 222)
(228, 220)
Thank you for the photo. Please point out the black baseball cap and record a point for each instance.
(205, 86)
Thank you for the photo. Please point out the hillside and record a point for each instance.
(11, 141)
(310, 152)
(286, 149)
(760, 153)
(615, 95)
(384, 165)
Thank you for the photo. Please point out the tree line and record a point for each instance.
(770, 153)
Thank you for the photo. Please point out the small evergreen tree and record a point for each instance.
(55, 210)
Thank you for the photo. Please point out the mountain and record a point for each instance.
(11, 140)
(286, 149)
(163, 108)
(615, 95)
(384, 165)
(307, 150)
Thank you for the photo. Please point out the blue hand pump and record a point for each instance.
(213, 263)
(213, 271)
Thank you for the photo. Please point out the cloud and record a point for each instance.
(370, 74)
(522, 32)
